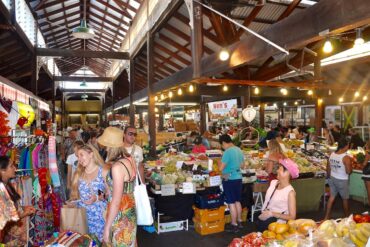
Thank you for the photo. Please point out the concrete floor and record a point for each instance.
(192, 239)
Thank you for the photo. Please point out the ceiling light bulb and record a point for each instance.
(359, 40)
(320, 101)
(329, 93)
(156, 109)
(224, 55)
(357, 94)
(256, 90)
(225, 88)
(179, 91)
(275, 105)
(285, 104)
(296, 102)
(259, 106)
(170, 94)
(266, 105)
(191, 88)
(309, 92)
(364, 98)
(328, 47)
(340, 99)
(162, 96)
(284, 91)
(156, 98)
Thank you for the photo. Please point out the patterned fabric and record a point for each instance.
(53, 168)
(124, 225)
(95, 211)
(16, 232)
(8, 212)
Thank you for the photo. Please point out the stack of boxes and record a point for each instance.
(209, 212)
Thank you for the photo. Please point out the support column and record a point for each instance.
(33, 86)
(203, 116)
(53, 100)
(151, 95)
(360, 115)
(141, 120)
(245, 101)
(131, 93)
(319, 106)
(102, 112)
(161, 120)
(262, 115)
(113, 98)
(197, 39)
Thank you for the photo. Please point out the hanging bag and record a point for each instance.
(73, 219)
(143, 209)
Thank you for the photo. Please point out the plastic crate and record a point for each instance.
(209, 215)
(209, 227)
(244, 216)
(209, 201)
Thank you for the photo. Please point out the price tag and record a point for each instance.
(168, 190)
(292, 136)
(188, 188)
(195, 167)
(215, 181)
(179, 164)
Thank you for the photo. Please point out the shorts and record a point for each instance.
(339, 186)
(232, 190)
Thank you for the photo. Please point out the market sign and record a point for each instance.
(223, 109)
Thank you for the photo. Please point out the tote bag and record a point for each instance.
(73, 219)
(143, 208)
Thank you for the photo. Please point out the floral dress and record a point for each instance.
(123, 229)
(96, 211)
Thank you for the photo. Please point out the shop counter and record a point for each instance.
(308, 193)
(357, 189)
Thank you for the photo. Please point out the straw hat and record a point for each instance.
(112, 137)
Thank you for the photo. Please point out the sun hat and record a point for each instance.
(291, 166)
(111, 137)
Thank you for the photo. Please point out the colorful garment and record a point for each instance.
(95, 211)
(124, 225)
(16, 232)
(8, 212)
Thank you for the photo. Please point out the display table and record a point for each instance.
(308, 193)
(357, 190)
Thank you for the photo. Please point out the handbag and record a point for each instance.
(143, 209)
(73, 219)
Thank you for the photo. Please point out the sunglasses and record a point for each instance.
(132, 134)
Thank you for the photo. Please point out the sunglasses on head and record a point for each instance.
(131, 134)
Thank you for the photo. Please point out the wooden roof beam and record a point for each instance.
(59, 18)
(80, 78)
(171, 53)
(248, 21)
(57, 11)
(81, 53)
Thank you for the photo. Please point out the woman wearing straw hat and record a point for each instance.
(120, 227)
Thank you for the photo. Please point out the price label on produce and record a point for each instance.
(179, 164)
(215, 181)
(168, 190)
(188, 188)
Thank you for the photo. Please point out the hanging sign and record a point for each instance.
(223, 109)
(249, 113)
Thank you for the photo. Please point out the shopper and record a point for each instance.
(280, 200)
(15, 232)
(328, 137)
(198, 147)
(121, 215)
(338, 170)
(231, 161)
(336, 132)
(68, 143)
(94, 139)
(88, 188)
(356, 140)
(366, 171)
(134, 150)
(275, 154)
(72, 162)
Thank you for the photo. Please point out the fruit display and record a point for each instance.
(252, 239)
(290, 143)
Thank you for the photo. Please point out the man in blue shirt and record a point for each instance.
(231, 161)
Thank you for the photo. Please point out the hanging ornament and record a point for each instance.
(249, 113)
(4, 128)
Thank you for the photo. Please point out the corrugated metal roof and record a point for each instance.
(271, 12)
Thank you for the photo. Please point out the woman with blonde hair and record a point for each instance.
(120, 227)
(88, 188)
(275, 154)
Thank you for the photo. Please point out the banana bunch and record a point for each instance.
(344, 226)
(361, 234)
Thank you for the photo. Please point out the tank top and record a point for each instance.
(337, 167)
(277, 201)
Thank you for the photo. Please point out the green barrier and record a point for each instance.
(308, 193)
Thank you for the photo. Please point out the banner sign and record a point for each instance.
(223, 109)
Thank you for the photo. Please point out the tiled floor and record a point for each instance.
(192, 239)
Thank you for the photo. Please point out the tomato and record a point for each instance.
(237, 242)
(366, 218)
(357, 218)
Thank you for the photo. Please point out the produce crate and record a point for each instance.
(209, 201)
(244, 216)
(209, 215)
(209, 227)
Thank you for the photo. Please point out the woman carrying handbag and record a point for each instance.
(120, 227)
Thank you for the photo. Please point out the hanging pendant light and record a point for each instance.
(83, 31)
(179, 91)
(359, 40)
(328, 47)
(83, 83)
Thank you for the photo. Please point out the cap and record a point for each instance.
(291, 166)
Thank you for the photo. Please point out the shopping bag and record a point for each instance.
(73, 219)
(143, 208)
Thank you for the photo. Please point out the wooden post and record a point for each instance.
(197, 39)
(161, 120)
(53, 99)
(262, 115)
(151, 95)
(131, 93)
(34, 75)
(245, 101)
(319, 106)
(113, 96)
(360, 115)
(141, 120)
(203, 116)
